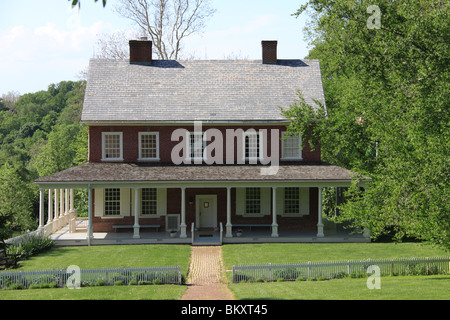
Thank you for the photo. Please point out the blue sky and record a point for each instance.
(47, 41)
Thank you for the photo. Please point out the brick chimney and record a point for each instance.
(140, 51)
(269, 51)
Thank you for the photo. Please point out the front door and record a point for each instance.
(206, 211)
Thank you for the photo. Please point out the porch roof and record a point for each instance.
(155, 173)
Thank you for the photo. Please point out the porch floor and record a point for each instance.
(65, 238)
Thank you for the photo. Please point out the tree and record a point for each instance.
(167, 22)
(387, 116)
(78, 2)
(16, 199)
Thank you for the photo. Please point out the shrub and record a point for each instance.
(100, 283)
(119, 283)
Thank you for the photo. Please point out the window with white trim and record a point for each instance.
(149, 201)
(252, 145)
(291, 200)
(291, 147)
(196, 145)
(148, 146)
(253, 200)
(112, 146)
(112, 202)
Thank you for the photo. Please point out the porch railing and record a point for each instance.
(339, 269)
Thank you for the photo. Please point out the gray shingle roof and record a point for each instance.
(228, 90)
(130, 172)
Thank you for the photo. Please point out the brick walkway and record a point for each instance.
(206, 280)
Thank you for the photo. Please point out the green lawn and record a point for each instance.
(392, 288)
(291, 252)
(111, 257)
(422, 288)
(148, 292)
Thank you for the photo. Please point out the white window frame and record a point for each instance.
(283, 146)
(191, 145)
(261, 145)
(246, 213)
(104, 135)
(150, 215)
(156, 134)
(297, 213)
(105, 201)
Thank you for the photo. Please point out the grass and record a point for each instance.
(149, 292)
(392, 288)
(111, 257)
(292, 252)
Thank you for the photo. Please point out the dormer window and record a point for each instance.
(148, 146)
(112, 146)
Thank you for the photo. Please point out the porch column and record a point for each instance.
(66, 201)
(89, 229)
(50, 206)
(274, 213)
(183, 213)
(136, 214)
(71, 207)
(41, 208)
(229, 226)
(61, 202)
(319, 214)
(56, 205)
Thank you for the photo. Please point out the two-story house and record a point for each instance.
(197, 145)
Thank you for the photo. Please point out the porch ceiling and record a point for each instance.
(133, 172)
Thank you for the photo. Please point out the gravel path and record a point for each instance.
(206, 280)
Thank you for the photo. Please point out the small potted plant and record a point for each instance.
(239, 232)
(173, 233)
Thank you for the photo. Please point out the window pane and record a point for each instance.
(291, 147)
(112, 202)
(112, 146)
(252, 200)
(148, 145)
(149, 200)
(291, 200)
(196, 145)
(251, 146)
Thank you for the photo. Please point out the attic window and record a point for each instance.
(112, 146)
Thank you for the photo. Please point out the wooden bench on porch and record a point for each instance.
(250, 225)
(121, 226)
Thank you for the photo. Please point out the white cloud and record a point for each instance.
(30, 54)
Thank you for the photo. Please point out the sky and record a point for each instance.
(43, 42)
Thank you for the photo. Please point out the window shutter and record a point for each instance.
(266, 201)
(304, 201)
(161, 206)
(280, 200)
(125, 202)
(240, 201)
(99, 202)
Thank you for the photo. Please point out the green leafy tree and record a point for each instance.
(16, 203)
(385, 71)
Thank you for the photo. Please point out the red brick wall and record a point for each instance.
(131, 141)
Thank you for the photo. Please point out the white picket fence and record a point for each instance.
(339, 269)
(164, 275)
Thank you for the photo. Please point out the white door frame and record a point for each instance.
(213, 201)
